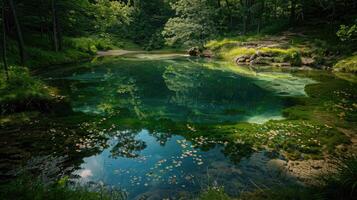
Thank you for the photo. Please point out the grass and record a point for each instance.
(348, 64)
(30, 188)
(22, 92)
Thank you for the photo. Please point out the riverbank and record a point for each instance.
(23, 92)
(299, 48)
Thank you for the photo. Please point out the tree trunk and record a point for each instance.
(261, 16)
(275, 9)
(54, 26)
(230, 14)
(244, 5)
(20, 39)
(292, 12)
(4, 43)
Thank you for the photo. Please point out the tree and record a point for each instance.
(111, 15)
(193, 25)
(20, 39)
(4, 42)
(54, 26)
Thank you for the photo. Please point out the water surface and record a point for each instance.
(138, 103)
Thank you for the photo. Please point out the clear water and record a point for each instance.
(140, 102)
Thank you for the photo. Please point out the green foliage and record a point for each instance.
(348, 64)
(23, 92)
(22, 86)
(30, 188)
(156, 41)
(89, 45)
(348, 33)
(277, 27)
(111, 15)
(193, 24)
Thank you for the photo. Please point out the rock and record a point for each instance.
(194, 51)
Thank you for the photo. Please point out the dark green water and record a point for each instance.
(137, 106)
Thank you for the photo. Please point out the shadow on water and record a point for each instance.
(134, 126)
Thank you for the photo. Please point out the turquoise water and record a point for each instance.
(139, 104)
(180, 90)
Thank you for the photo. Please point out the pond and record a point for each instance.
(135, 110)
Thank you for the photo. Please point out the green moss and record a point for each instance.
(348, 64)
(236, 52)
(230, 48)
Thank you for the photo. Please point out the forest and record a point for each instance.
(178, 99)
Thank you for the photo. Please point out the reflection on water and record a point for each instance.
(180, 90)
(135, 112)
(175, 168)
